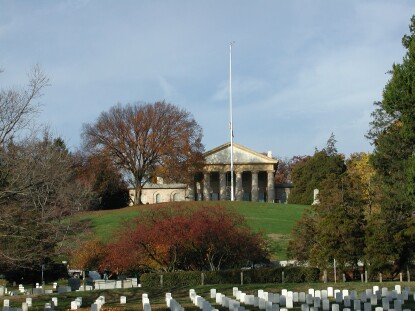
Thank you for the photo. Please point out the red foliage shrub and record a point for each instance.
(171, 239)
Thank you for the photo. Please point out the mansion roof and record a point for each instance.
(241, 155)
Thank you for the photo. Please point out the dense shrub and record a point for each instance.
(181, 239)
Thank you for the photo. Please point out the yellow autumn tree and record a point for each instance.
(358, 165)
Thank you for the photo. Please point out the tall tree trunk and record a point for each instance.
(137, 197)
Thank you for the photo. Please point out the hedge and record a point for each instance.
(264, 275)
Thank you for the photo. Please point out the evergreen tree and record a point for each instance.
(340, 223)
(333, 229)
(391, 232)
(310, 174)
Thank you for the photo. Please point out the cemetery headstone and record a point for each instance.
(398, 288)
(38, 291)
(282, 300)
(339, 297)
(55, 301)
(74, 283)
(367, 306)
(29, 301)
(326, 305)
(347, 302)
(385, 303)
(397, 305)
(311, 291)
(289, 303)
(212, 293)
(302, 297)
(317, 302)
(357, 304)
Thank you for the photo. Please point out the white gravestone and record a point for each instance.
(317, 302)
(54, 301)
(326, 305)
(367, 306)
(357, 305)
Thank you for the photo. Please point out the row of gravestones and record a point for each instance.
(312, 301)
(73, 285)
(28, 304)
(50, 306)
(37, 290)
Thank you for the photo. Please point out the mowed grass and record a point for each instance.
(274, 220)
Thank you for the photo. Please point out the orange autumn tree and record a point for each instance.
(88, 255)
(180, 238)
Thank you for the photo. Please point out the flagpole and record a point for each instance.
(230, 114)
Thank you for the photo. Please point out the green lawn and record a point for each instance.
(274, 220)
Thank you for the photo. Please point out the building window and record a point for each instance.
(176, 197)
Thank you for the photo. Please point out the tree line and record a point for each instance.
(366, 211)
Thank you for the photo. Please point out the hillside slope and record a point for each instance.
(274, 220)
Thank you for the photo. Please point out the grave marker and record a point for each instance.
(357, 305)
(385, 303)
(326, 305)
(367, 306)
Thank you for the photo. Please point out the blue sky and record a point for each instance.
(301, 69)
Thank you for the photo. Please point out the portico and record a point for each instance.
(253, 175)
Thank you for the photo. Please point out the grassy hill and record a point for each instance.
(274, 220)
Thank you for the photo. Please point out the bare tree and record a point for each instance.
(142, 138)
(38, 190)
(17, 107)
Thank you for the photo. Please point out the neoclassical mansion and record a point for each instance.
(253, 179)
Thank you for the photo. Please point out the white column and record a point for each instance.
(270, 187)
(254, 186)
(238, 191)
(206, 186)
(222, 186)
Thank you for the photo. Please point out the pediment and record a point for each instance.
(221, 155)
